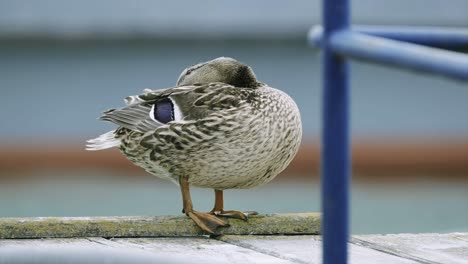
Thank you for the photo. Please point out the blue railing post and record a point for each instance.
(386, 45)
(335, 139)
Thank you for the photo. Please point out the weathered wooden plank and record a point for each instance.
(76, 250)
(461, 236)
(402, 248)
(199, 249)
(424, 248)
(159, 226)
(128, 250)
(307, 249)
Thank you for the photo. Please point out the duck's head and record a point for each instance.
(223, 69)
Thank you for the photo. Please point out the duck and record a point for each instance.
(217, 128)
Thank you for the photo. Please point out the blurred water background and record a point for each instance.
(63, 62)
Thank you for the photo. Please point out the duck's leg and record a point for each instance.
(218, 208)
(208, 222)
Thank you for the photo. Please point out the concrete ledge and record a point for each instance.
(158, 226)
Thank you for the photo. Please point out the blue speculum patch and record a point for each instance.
(164, 111)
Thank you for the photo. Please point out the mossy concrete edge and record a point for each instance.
(157, 226)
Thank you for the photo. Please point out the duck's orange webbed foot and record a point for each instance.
(207, 222)
(234, 214)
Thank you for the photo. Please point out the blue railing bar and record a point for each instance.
(441, 37)
(335, 140)
(401, 54)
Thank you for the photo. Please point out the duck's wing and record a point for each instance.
(152, 109)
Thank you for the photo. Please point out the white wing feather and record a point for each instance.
(104, 141)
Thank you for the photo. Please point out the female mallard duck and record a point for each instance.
(218, 128)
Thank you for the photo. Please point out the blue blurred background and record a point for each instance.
(63, 62)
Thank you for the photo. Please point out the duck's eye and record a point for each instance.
(163, 110)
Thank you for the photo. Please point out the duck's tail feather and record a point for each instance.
(104, 141)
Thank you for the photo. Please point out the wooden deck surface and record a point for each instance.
(402, 248)
(282, 239)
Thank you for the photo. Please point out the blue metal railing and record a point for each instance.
(397, 46)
